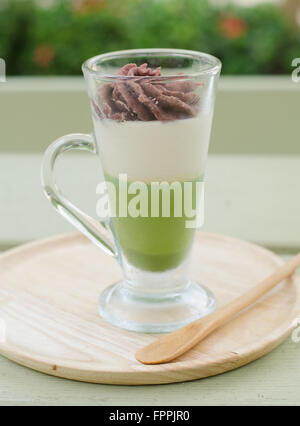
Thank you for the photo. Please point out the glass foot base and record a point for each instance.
(154, 313)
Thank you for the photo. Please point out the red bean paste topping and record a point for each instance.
(146, 99)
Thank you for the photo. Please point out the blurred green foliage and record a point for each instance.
(57, 39)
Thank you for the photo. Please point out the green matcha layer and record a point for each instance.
(154, 243)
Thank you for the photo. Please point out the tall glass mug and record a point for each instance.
(152, 112)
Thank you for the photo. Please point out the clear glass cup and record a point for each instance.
(151, 132)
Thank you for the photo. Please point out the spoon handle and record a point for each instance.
(173, 345)
(226, 312)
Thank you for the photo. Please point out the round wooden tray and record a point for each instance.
(49, 320)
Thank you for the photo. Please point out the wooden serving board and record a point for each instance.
(49, 321)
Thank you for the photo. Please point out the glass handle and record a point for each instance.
(90, 227)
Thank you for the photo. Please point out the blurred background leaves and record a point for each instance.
(40, 38)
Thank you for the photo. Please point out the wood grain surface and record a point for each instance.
(48, 304)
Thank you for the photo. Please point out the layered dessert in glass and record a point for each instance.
(152, 119)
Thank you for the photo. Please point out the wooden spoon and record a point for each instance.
(173, 345)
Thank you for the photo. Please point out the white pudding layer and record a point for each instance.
(154, 151)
